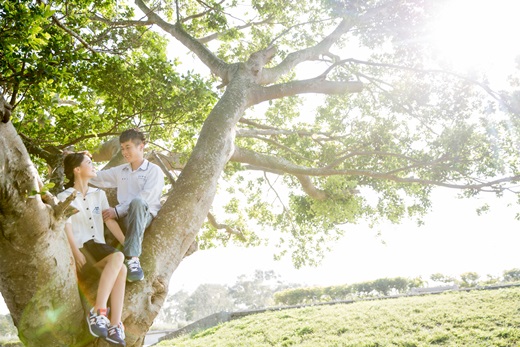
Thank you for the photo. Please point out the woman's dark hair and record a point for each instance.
(134, 135)
(72, 161)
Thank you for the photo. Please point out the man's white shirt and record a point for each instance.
(146, 182)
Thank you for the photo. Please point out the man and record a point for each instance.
(139, 186)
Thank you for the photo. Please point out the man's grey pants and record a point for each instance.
(134, 224)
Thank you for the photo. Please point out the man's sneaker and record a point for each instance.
(134, 273)
(116, 334)
(98, 322)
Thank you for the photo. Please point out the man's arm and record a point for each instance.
(106, 178)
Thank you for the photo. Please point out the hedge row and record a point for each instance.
(379, 287)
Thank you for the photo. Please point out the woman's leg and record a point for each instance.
(117, 296)
(111, 266)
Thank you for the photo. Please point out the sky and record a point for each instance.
(471, 34)
(453, 240)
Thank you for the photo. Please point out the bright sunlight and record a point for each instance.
(478, 34)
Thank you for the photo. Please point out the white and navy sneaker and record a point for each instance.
(116, 335)
(98, 322)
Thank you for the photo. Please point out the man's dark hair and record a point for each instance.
(134, 135)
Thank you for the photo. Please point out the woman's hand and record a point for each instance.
(80, 260)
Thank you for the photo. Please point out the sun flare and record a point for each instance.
(478, 34)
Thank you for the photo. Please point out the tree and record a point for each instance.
(469, 279)
(206, 300)
(438, 277)
(512, 275)
(391, 126)
(250, 292)
(173, 310)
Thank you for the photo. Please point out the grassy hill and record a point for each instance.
(489, 318)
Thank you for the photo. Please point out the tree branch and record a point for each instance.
(242, 155)
(73, 34)
(310, 189)
(315, 85)
(216, 65)
(215, 36)
(293, 59)
(486, 88)
(64, 209)
(212, 220)
(121, 23)
(198, 15)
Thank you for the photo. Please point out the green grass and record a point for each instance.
(489, 318)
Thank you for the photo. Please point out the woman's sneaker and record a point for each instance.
(116, 334)
(98, 322)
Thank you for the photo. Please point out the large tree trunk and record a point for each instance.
(175, 228)
(37, 274)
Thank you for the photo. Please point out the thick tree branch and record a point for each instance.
(293, 59)
(310, 189)
(242, 155)
(216, 65)
(315, 85)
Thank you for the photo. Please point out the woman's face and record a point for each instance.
(86, 169)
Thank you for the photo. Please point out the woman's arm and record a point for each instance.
(78, 256)
(115, 229)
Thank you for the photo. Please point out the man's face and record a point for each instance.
(133, 153)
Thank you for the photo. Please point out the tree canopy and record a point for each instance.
(298, 117)
(77, 74)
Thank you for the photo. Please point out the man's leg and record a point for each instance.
(136, 221)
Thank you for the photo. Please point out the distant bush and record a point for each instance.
(512, 275)
(379, 287)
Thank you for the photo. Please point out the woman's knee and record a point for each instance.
(123, 270)
(117, 258)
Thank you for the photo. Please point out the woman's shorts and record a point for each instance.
(94, 252)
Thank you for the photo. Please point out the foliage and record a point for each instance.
(475, 318)
(79, 75)
(375, 288)
(438, 277)
(469, 279)
(248, 292)
(68, 95)
(512, 275)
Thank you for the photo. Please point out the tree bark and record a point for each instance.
(173, 231)
(37, 274)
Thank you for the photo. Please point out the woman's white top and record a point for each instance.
(88, 223)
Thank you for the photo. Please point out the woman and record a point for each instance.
(86, 238)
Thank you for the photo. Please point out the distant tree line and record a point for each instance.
(379, 287)
(385, 287)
